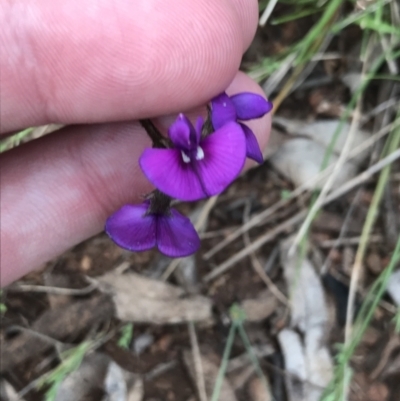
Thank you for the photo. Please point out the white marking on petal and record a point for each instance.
(199, 153)
(185, 157)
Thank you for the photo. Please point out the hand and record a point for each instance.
(105, 64)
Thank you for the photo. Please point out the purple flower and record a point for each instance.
(243, 106)
(196, 167)
(138, 228)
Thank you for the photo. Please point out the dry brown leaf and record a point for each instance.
(309, 314)
(145, 300)
(259, 391)
(210, 371)
(393, 287)
(295, 364)
(259, 308)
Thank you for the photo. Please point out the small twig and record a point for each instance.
(267, 12)
(260, 351)
(381, 107)
(268, 236)
(198, 366)
(365, 176)
(159, 370)
(170, 269)
(345, 241)
(208, 206)
(92, 346)
(217, 233)
(257, 265)
(276, 77)
(53, 290)
(343, 229)
(393, 344)
(36, 334)
(153, 133)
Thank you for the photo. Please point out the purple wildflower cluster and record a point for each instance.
(192, 164)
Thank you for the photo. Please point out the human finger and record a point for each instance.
(116, 60)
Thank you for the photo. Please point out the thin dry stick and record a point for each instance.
(276, 77)
(343, 229)
(200, 224)
(198, 366)
(392, 345)
(296, 218)
(261, 217)
(170, 269)
(257, 265)
(366, 175)
(341, 241)
(268, 236)
(53, 290)
(267, 12)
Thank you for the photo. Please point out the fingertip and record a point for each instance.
(117, 60)
(247, 11)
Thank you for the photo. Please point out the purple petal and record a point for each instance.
(176, 236)
(167, 171)
(182, 133)
(224, 157)
(129, 228)
(199, 127)
(222, 110)
(253, 150)
(250, 105)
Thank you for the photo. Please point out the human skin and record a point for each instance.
(100, 68)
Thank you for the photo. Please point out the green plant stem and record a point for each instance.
(252, 355)
(394, 141)
(224, 363)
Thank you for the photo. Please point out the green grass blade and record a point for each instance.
(224, 363)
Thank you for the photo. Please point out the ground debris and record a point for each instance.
(86, 381)
(58, 324)
(7, 392)
(393, 287)
(100, 378)
(308, 359)
(210, 372)
(145, 300)
(260, 308)
(259, 391)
